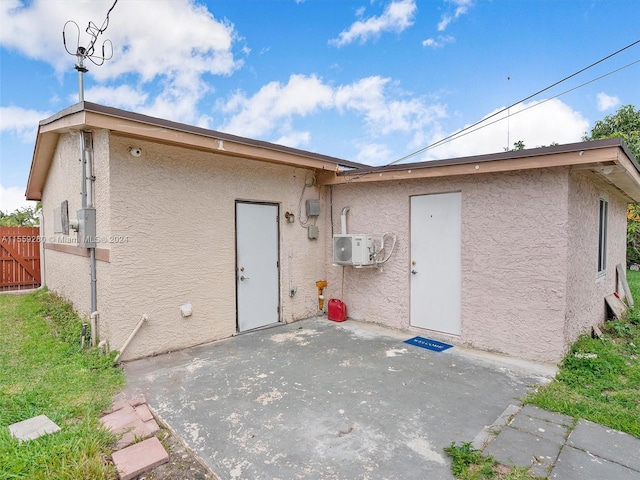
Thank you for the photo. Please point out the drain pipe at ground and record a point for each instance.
(94, 328)
(133, 334)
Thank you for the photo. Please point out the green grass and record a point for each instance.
(467, 463)
(43, 370)
(599, 379)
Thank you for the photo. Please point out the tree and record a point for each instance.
(625, 123)
(21, 217)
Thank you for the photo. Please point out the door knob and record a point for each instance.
(243, 278)
(413, 272)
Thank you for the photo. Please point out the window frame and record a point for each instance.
(603, 226)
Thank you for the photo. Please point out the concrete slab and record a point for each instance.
(517, 448)
(139, 458)
(607, 443)
(573, 464)
(552, 417)
(316, 399)
(33, 428)
(489, 432)
(542, 428)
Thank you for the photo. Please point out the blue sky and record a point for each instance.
(364, 80)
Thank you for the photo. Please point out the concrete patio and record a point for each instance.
(318, 399)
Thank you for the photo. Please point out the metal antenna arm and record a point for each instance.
(82, 53)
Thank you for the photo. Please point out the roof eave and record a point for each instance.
(596, 155)
(91, 116)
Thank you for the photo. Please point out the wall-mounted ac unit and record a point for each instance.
(353, 249)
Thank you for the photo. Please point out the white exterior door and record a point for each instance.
(257, 268)
(436, 269)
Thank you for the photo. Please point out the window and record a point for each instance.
(602, 236)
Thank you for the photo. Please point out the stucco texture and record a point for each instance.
(523, 249)
(586, 289)
(177, 210)
(68, 274)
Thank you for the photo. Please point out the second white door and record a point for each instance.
(436, 270)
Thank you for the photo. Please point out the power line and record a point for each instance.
(458, 133)
(480, 127)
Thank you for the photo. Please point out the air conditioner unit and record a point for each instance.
(353, 249)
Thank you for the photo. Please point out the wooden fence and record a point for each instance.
(19, 258)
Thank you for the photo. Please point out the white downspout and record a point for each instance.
(43, 282)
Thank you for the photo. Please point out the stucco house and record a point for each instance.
(206, 235)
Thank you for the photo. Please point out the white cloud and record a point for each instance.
(123, 96)
(397, 16)
(439, 42)
(294, 139)
(12, 198)
(273, 107)
(273, 104)
(605, 102)
(174, 42)
(461, 7)
(21, 122)
(373, 154)
(534, 123)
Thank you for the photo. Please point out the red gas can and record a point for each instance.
(337, 310)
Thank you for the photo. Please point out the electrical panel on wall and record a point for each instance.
(313, 208)
(87, 228)
(61, 218)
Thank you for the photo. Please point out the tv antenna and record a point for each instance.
(89, 52)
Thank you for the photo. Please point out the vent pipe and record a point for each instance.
(343, 220)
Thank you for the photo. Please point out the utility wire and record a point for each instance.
(480, 127)
(94, 31)
(458, 133)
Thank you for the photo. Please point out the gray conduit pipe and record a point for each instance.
(94, 328)
(143, 319)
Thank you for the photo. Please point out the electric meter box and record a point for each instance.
(87, 228)
(313, 208)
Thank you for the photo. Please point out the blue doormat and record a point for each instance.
(428, 344)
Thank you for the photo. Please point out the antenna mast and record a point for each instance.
(88, 52)
(508, 112)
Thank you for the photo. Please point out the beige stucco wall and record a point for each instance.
(177, 209)
(65, 273)
(514, 258)
(585, 288)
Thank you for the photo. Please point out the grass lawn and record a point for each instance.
(43, 370)
(598, 380)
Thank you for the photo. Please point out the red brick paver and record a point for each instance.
(138, 458)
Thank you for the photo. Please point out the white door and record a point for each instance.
(257, 272)
(436, 276)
